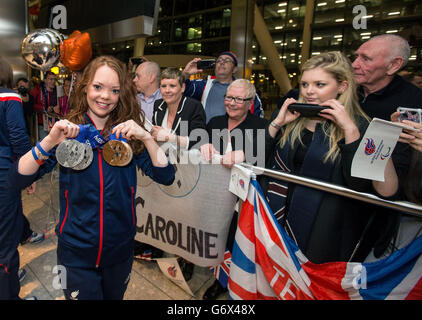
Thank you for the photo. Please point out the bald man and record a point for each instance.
(147, 82)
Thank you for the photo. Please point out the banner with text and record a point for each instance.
(191, 217)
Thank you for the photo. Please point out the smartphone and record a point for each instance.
(205, 64)
(410, 114)
(306, 109)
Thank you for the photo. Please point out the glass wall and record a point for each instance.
(192, 27)
(203, 27)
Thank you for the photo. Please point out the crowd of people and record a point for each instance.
(97, 223)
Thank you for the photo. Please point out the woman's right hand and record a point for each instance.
(61, 130)
(284, 115)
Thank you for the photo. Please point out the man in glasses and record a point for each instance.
(211, 91)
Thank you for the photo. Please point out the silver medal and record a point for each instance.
(70, 153)
(87, 159)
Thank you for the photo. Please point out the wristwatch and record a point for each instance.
(275, 125)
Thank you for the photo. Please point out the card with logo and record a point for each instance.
(375, 149)
(239, 181)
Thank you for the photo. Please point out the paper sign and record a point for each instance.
(171, 269)
(239, 181)
(148, 125)
(191, 217)
(375, 149)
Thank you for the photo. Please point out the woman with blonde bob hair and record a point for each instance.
(326, 227)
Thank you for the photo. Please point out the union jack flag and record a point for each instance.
(267, 264)
(222, 271)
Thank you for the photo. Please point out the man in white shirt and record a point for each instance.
(147, 82)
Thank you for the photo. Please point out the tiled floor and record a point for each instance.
(147, 281)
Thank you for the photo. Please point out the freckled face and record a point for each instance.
(103, 93)
(318, 86)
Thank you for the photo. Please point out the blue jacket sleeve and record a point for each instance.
(161, 175)
(195, 88)
(257, 107)
(18, 137)
(19, 181)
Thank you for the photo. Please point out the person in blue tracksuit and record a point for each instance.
(14, 142)
(97, 222)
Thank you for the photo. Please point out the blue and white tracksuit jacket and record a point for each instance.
(97, 222)
(14, 142)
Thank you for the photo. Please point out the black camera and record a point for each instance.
(23, 91)
(205, 64)
(137, 61)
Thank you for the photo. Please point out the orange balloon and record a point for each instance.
(76, 51)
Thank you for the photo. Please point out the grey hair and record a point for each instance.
(398, 46)
(246, 84)
(152, 67)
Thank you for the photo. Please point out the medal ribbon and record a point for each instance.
(90, 135)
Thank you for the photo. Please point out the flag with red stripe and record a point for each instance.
(267, 264)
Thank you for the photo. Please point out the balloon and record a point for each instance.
(41, 48)
(76, 51)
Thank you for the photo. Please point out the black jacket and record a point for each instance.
(189, 110)
(252, 131)
(381, 104)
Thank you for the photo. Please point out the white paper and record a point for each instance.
(239, 181)
(148, 125)
(171, 269)
(375, 149)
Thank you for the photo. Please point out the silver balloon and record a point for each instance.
(41, 48)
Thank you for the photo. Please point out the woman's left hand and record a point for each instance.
(31, 189)
(130, 130)
(161, 134)
(338, 114)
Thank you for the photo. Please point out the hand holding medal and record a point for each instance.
(117, 152)
(72, 153)
(63, 129)
(129, 130)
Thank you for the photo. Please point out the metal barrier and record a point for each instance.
(404, 206)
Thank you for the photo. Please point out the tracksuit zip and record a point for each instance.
(67, 210)
(133, 207)
(100, 168)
